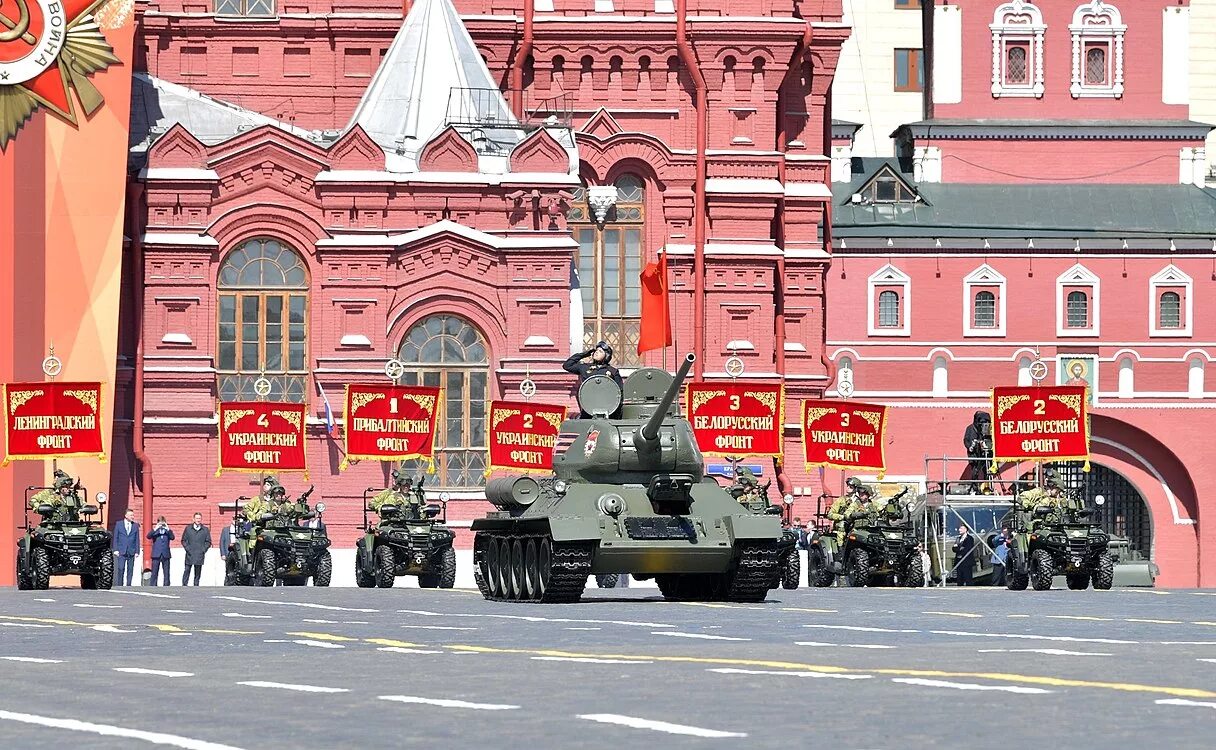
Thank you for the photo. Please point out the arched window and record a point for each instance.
(941, 377)
(1024, 378)
(984, 313)
(888, 310)
(1078, 310)
(608, 225)
(263, 322)
(1095, 66)
(1170, 313)
(1017, 49)
(1194, 381)
(445, 351)
(1097, 31)
(1127, 378)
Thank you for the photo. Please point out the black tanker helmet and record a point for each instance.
(607, 351)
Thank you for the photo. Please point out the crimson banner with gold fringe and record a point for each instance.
(736, 419)
(52, 420)
(390, 422)
(522, 435)
(261, 437)
(1040, 423)
(844, 435)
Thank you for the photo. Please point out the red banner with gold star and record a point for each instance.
(390, 422)
(261, 437)
(736, 419)
(844, 435)
(52, 420)
(522, 435)
(1040, 423)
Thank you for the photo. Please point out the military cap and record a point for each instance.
(62, 479)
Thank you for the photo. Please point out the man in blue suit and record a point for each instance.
(126, 547)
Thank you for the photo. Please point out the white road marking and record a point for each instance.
(355, 622)
(445, 703)
(156, 672)
(24, 625)
(324, 622)
(1187, 643)
(1022, 636)
(842, 645)
(1048, 651)
(317, 644)
(952, 614)
(108, 730)
(296, 688)
(37, 660)
(403, 650)
(1158, 622)
(144, 593)
(860, 629)
(44, 600)
(1210, 661)
(971, 686)
(99, 606)
(110, 629)
(658, 726)
(436, 627)
(582, 628)
(308, 605)
(702, 636)
(534, 618)
(787, 673)
(1184, 702)
(251, 617)
(588, 660)
(1080, 617)
(180, 611)
(181, 634)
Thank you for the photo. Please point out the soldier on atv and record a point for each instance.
(62, 497)
(408, 503)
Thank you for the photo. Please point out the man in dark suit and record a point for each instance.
(196, 540)
(161, 535)
(126, 547)
(964, 559)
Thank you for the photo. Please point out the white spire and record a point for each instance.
(432, 75)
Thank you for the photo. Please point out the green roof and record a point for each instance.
(1023, 210)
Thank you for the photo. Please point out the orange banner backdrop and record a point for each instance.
(52, 420)
(390, 422)
(522, 435)
(1040, 423)
(844, 435)
(737, 419)
(261, 437)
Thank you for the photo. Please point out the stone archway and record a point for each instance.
(1123, 512)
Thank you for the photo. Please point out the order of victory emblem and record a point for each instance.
(49, 48)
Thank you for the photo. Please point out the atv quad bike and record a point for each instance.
(1049, 542)
(876, 551)
(411, 539)
(276, 547)
(66, 541)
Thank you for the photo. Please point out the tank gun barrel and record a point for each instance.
(649, 432)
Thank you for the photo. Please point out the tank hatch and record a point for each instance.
(600, 396)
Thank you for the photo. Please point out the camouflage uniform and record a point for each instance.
(65, 505)
(747, 490)
(399, 495)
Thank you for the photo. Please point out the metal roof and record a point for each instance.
(1023, 210)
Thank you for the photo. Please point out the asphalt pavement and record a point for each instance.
(217, 668)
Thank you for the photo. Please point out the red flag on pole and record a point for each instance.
(656, 321)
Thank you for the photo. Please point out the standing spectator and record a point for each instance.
(1000, 550)
(800, 530)
(126, 546)
(161, 536)
(964, 560)
(196, 540)
(228, 538)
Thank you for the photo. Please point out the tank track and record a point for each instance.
(569, 568)
(757, 570)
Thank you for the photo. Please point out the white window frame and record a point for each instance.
(984, 276)
(1170, 277)
(1031, 32)
(890, 276)
(1078, 276)
(1097, 21)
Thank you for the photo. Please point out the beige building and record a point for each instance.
(1202, 73)
(880, 79)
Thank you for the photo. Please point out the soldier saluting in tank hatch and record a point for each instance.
(600, 364)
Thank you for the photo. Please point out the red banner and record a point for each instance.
(262, 437)
(52, 420)
(735, 419)
(1040, 423)
(844, 435)
(522, 435)
(390, 422)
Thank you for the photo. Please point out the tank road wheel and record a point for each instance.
(1078, 581)
(105, 571)
(791, 570)
(1041, 570)
(531, 571)
(447, 568)
(40, 569)
(1017, 578)
(914, 574)
(504, 569)
(859, 568)
(517, 570)
(1104, 573)
(544, 562)
(386, 564)
(817, 572)
(324, 571)
(493, 577)
(607, 580)
(263, 569)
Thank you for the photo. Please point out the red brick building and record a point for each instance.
(317, 187)
(1048, 207)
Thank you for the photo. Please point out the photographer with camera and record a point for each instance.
(978, 442)
(161, 535)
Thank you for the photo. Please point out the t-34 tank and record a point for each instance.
(629, 495)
